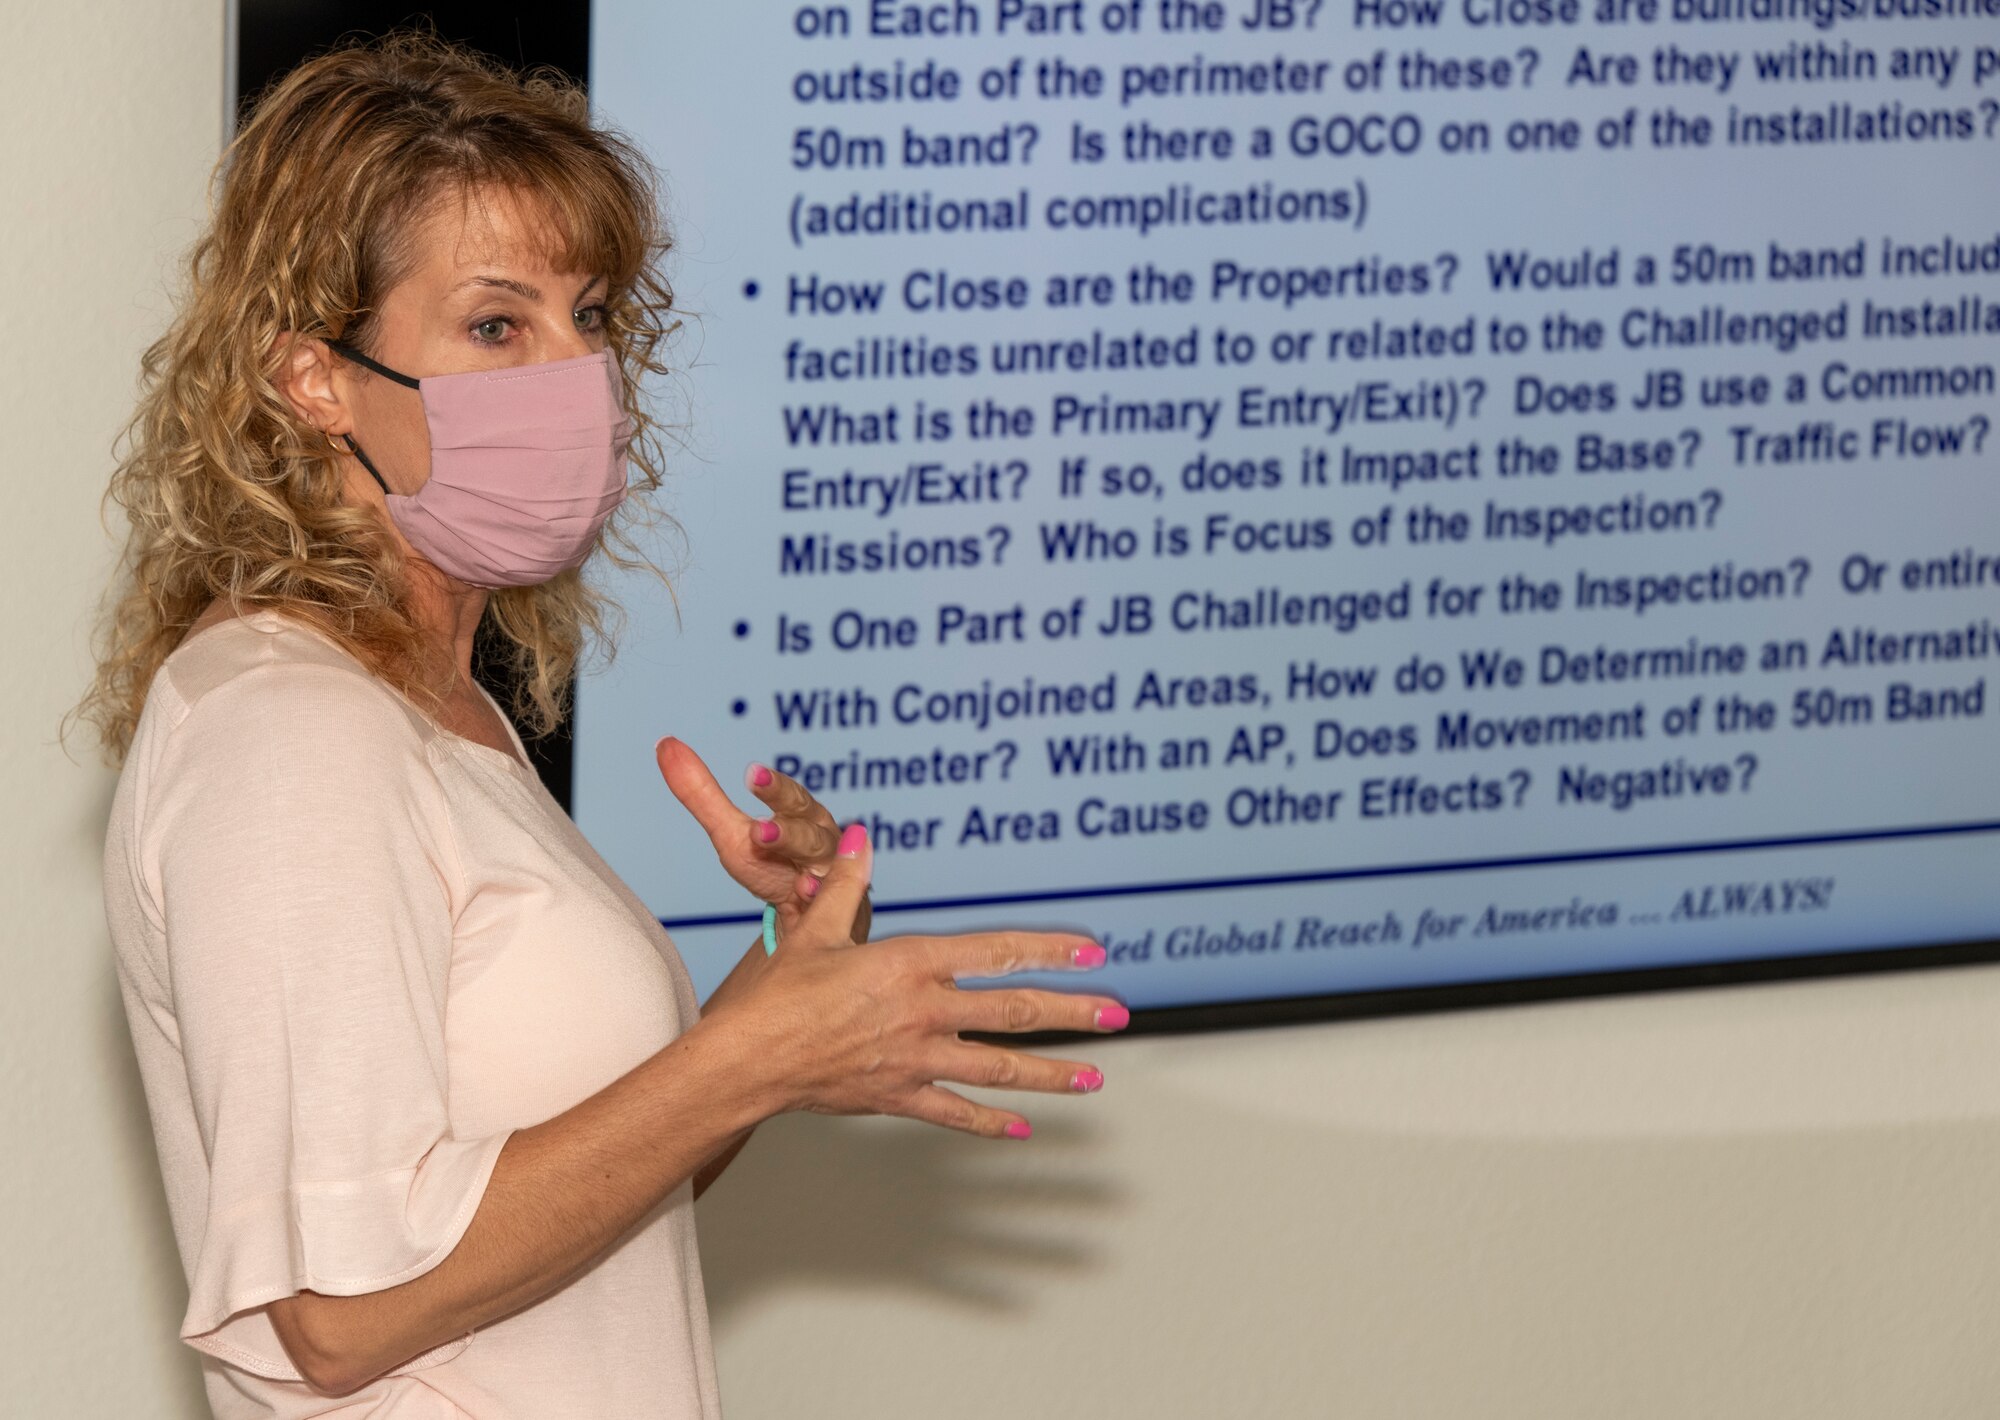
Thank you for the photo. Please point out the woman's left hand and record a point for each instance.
(780, 859)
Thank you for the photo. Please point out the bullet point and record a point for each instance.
(749, 290)
(742, 629)
(739, 707)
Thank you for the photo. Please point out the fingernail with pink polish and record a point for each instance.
(852, 841)
(1088, 954)
(809, 889)
(1113, 1017)
(757, 776)
(767, 831)
(1019, 1129)
(1085, 1081)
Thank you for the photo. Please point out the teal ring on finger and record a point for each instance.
(770, 929)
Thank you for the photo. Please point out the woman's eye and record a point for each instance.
(493, 330)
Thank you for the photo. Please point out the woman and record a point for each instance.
(431, 1092)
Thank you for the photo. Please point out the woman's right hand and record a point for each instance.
(870, 1029)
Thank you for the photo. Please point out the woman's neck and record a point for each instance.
(448, 613)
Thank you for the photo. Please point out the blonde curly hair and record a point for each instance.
(231, 495)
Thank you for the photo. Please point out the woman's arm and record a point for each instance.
(739, 979)
(510, 1254)
(560, 1193)
(784, 875)
(824, 1025)
(712, 1170)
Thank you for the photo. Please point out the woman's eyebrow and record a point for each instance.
(520, 288)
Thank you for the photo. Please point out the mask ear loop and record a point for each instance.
(355, 449)
(346, 351)
(343, 349)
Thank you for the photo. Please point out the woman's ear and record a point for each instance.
(305, 379)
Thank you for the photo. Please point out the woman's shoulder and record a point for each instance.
(265, 672)
(260, 720)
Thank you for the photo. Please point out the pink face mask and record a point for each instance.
(527, 464)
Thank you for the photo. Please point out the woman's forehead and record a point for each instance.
(487, 228)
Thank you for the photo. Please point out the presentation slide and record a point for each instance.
(1329, 495)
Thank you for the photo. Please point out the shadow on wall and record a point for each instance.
(1759, 1204)
(1841, 1273)
(890, 1204)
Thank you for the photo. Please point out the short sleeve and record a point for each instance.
(306, 877)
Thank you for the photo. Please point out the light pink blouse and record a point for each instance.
(356, 952)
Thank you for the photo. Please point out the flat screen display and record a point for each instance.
(1330, 496)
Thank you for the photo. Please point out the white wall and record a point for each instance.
(1756, 1203)
(1765, 1202)
(110, 117)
